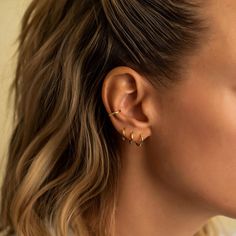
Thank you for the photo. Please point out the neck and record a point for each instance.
(147, 206)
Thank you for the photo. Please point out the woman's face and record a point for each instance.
(195, 139)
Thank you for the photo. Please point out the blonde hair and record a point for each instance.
(63, 159)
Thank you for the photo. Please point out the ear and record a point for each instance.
(126, 90)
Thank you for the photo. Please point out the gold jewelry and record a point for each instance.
(141, 143)
(123, 132)
(114, 112)
(132, 136)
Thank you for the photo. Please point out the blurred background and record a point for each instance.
(11, 12)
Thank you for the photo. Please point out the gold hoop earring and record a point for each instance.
(141, 143)
(132, 137)
(123, 136)
(114, 112)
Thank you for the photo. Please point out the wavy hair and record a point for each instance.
(63, 157)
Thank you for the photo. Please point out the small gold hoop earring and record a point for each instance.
(132, 137)
(123, 136)
(141, 143)
(114, 112)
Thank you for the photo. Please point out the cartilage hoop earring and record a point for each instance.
(114, 112)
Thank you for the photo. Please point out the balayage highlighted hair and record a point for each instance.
(63, 158)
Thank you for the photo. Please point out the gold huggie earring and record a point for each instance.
(141, 143)
(132, 137)
(123, 132)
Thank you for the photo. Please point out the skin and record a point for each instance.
(184, 173)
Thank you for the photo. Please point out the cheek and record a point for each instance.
(197, 145)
